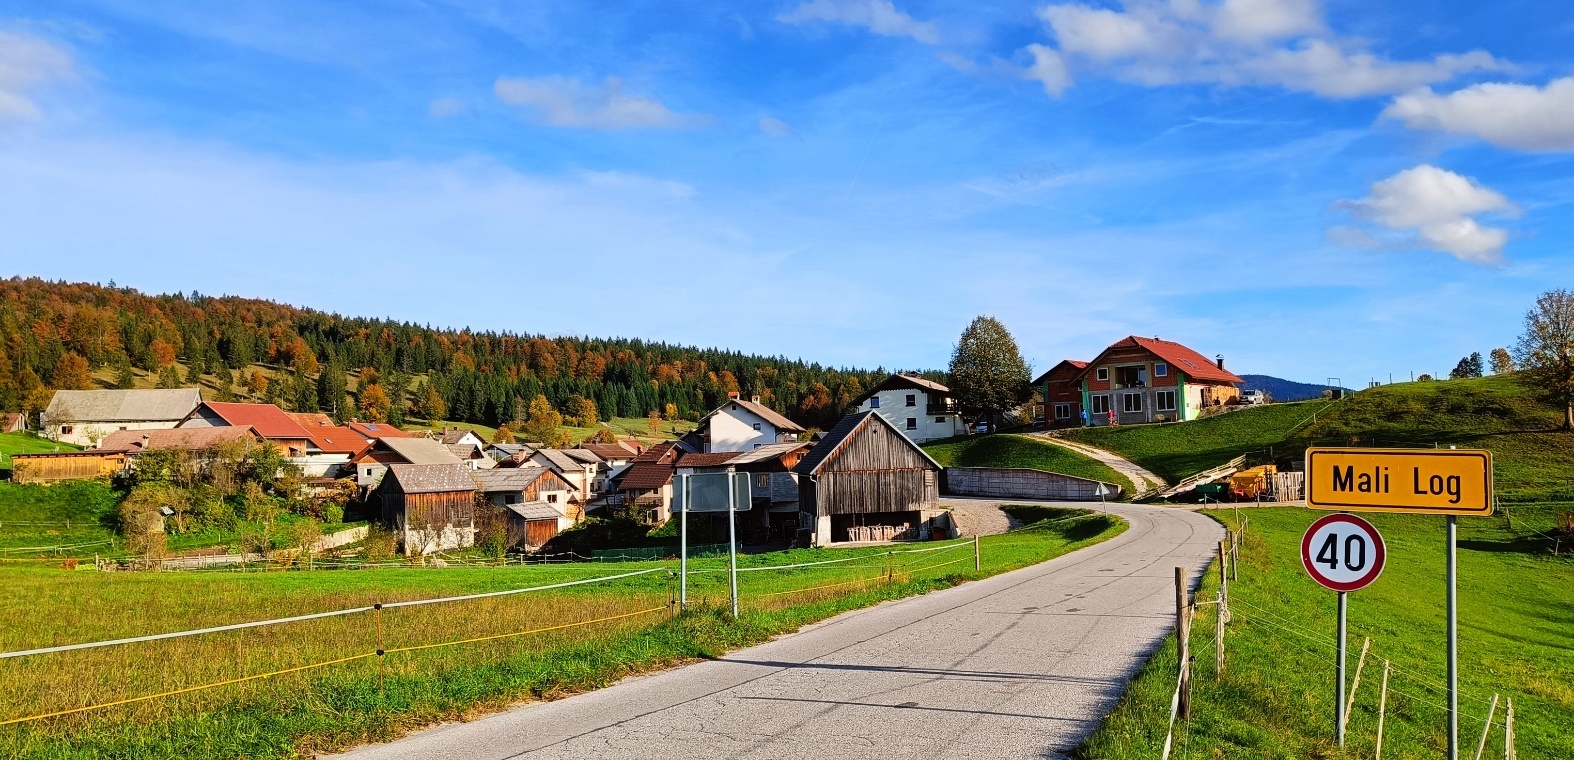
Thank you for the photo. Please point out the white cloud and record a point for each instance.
(442, 108)
(1429, 207)
(26, 62)
(878, 16)
(565, 102)
(1520, 116)
(774, 127)
(1049, 68)
(1275, 43)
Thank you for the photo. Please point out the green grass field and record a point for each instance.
(1008, 450)
(1276, 698)
(341, 705)
(1176, 450)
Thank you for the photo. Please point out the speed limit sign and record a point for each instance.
(1343, 552)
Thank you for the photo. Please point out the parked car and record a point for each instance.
(1254, 397)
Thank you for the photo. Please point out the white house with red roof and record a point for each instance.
(1152, 380)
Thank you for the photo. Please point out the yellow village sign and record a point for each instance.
(1417, 481)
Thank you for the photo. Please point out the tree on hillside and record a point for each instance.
(1469, 366)
(331, 384)
(374, 403)
(503, 435)
(1545, 353)
(988, 374)
(72, 374)
(125, 379)
(429, 403)
(168, 376)
(543, 423)
(584, 411)
(1502, 361)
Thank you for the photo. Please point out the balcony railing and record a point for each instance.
(948, 408)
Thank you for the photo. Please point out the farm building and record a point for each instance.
(645, 488)
(268, 420)
(535, 500)
(461, 436)
(430, 506)
(922, 409)
(372, 462)
(86, 417)
(1152, 380)
(65, 465)
(1061, 391)
(867, 481)
(12, 423)
(183, 439)
(773, 486)
(740, 425)
(577, 466)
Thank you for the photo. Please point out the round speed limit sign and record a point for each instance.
(1343, 552)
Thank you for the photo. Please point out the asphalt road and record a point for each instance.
(1020, 665)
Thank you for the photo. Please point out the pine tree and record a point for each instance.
(125, 379)
(988, 374)
(331, 385)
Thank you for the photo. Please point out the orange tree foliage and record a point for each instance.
(480, 376)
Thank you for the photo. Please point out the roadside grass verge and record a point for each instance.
(1020, 451)
(342, 705)
(1175, 450)
(1276, 697)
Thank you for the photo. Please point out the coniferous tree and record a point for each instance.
(125, 379)
(331, 385)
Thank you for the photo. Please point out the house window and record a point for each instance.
(756, 426)
(757, 445)
(1161, 370)
(551, 498)
(1131, 402)
(1131, 377)
(762, 480)
(1103, 373)
(65, 429)
(1062, 411)
(1101, 404)
(940, 420)
(1164, 401)
(912, 423)
(874, 402)
(912, 400)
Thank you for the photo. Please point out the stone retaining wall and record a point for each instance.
(1006, 483)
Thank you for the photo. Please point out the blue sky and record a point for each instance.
(1312, 189)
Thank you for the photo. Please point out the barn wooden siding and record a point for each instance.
(530, 533)
(43, 468)
(419, 510)
(875, 470)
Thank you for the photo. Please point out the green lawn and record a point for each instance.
(1175, 450)
(1516, 606)
(342, 705)
(62, 514)
(1008, 450)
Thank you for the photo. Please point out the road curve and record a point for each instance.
(1020, 665)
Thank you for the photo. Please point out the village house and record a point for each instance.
(773, 486)
(536, 502)
(84, 418)
(1152, 380)
(372, 463)
(615, 458)
(268, 420)
(13, 423)
(922, 409)
(472, 454)
(132, 442)
(500, 451)
(461, 437)
(430, 506)
(866, 481)
(376, 430)
(644, 488)
(741, 425)
(578, 466)
(1061, 393)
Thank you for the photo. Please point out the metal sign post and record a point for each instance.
(732, 541)
(1343, 553)
(1101, 491)
(1448, 482)
(683, 549)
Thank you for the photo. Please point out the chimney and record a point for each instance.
(1220, 359)
(755, 399)
(732, 395)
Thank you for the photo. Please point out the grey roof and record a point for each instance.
(762, 411)
(507, 478)
(534, 511)
(900, 380)
(844, 430)
(463, 450)
(421, 450)
(453, 436)
(431, 478)
(507, 448)
(164, 405)
(561, 460)
(767, 452)
(584, 455)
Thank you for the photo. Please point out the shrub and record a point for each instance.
(380, 543)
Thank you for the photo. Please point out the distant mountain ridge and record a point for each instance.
(1283, 390)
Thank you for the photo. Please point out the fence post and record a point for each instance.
(377, 609)
(1218, 638)
(1182, 643)
(1382, 712)
(1508, 733)
(1224, 584)
(1356, 684)
(977, 559)
(1486, 729)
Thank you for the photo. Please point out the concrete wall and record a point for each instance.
(1023, 484)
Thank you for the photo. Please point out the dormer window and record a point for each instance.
(1103, 373)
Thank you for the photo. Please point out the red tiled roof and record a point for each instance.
(310, 419)
(1074, 365)
(377, 430)
(715, 459)
(187, 439)
(1192, 364)
(661, 452)
(269, 420)
(645, 476)
(337, 440)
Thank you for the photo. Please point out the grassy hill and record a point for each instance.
(1008, 450)
(1175, 450)
(1516, 599)
(26, 443)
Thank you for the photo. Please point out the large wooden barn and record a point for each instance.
(431, 506)
(866, 481)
